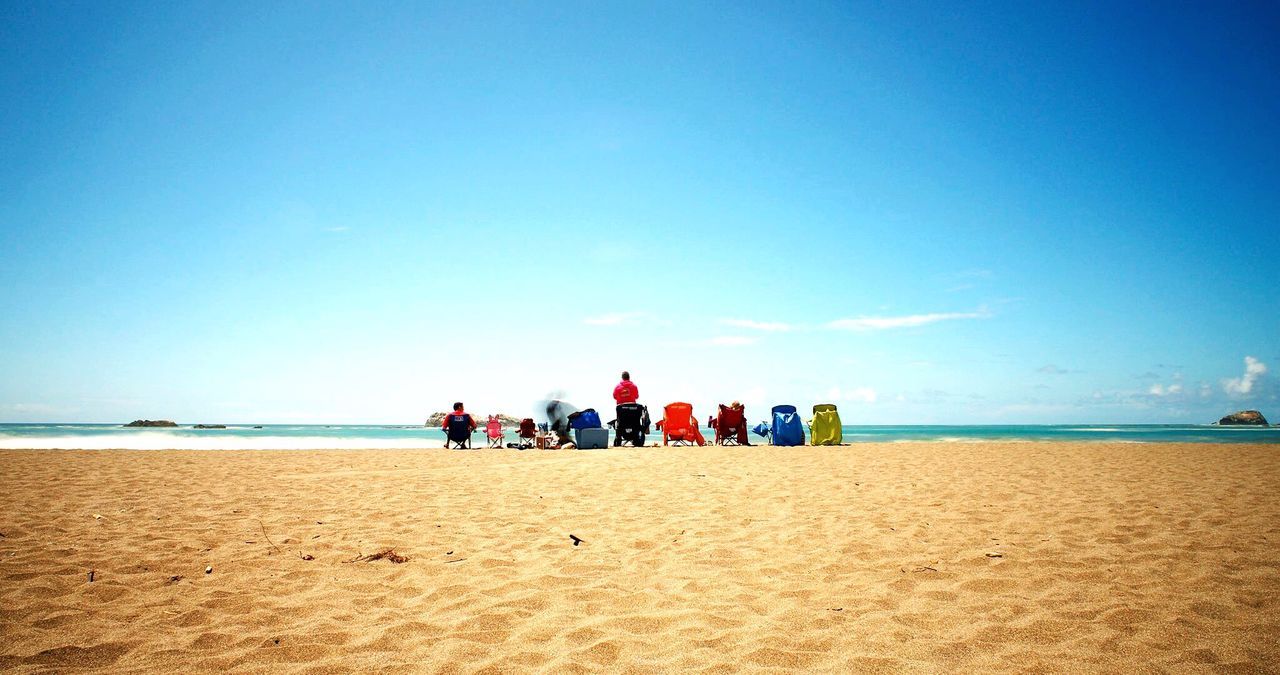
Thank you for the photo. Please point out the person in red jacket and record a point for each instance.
(626, 391)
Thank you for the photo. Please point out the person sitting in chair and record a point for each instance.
(457, 427)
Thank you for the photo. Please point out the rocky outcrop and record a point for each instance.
(209, 426)
(1244, 418)
(436, 419)
(151, 423)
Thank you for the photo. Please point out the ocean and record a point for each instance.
(368, 436)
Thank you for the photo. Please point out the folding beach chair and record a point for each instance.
(493, 431)
(679, 426)
(631, 426)
(825, 427)
(527, 434)
(731, 425)
(787, 429)
(458, 433)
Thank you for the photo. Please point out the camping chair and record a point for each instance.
(825, 427)
(679, 426)
(787, 428)
(527, 434)
(731, 426)
(493, 431)
(631, 426)
(458, 432)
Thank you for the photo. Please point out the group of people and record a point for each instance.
(459, 422)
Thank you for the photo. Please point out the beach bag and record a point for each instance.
(825, 429)
(585, 419)
(761, 429)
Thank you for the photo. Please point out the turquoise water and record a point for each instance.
(357, 436)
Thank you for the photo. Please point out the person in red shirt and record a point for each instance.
(626, 391)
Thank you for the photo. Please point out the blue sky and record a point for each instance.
(923, 212)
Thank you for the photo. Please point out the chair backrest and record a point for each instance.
(677, 418)
(730, 419)
(459, 428)
(825, 429)
(629, 415)
(787, 429)
(494, 427)
(527, 428)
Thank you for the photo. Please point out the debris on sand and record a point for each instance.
(576, 539)
(208, 570)
(306, 556)
(388, 554)
(91, 574)
(175, 578)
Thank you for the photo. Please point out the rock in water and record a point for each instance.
(1245, 417)
(151, 423)
(209, 426)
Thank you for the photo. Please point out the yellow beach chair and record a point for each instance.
(825, 427)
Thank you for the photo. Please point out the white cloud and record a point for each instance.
(614, 319)
(1161, 390)
(910, 321)
(771, 326)
(1051, 369)
(731, 341)
(1253, 369)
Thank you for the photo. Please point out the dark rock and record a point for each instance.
(209, 426)
(151, 423)
(1244, 417)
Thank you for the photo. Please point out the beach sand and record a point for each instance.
(877, 557)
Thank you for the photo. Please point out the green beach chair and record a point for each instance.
(825, 427)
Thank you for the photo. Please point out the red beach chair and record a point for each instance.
(679, 426)
(528, 433)
(493, 431)
(731, 425)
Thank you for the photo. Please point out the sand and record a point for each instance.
(881, 557)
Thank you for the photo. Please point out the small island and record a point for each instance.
(151, 423)
(1251, 418)
(209, 426)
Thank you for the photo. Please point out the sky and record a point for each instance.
(924, 212)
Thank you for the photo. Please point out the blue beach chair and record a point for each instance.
(458, 433)
(787, 428)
